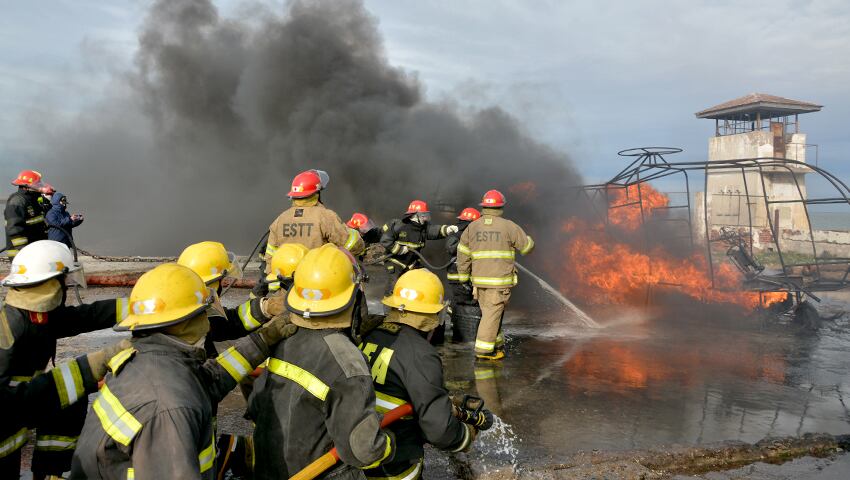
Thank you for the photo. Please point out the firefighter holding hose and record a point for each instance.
(406, 368)
(402, 237)
(485, 258)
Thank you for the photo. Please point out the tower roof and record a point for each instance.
(749, 105)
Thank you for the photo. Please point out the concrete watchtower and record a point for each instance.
(751, 127)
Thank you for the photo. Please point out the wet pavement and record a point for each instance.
(689, 375)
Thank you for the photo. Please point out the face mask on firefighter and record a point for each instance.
(421, 218)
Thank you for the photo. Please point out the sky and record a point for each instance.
(588, 78)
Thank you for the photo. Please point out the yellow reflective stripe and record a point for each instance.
(458, 277)
(122, 309)
(131, 474)
(411, 244)
(118, 423)
(495, 281)
(300, 376)
(16, 380)
(388, 449)
(235, 364)
(19, 241)
(270, 249)
(467, 439)
(485, 374)
(528, 247)
(463, 249)
(384, 403)
(12, 252)
(69, 382)
(482, 254)
(444, 230)
(116, 362)
(248, 321)
(55, 443)
(207, 456)
(34, 220)
(399, 263)
(352, 239)
(409, 474)
(484, 346)
(13, 443)
(274, 286)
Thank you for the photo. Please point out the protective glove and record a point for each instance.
(451, 229)
(273, 306)
(277, 329)
(403, 250)
(98, 360)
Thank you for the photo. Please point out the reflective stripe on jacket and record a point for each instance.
(486, 251)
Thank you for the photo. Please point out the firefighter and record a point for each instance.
(34, 317)
(406, 368)
(316, 393)
(25, 213)
(213, 263)
(369, 232)
(461, 290)
(486, 255)
(46, 198)
(153, 416)
(281, 268)
(402, 237)
(308, 222)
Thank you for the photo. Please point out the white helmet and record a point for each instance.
(41, 261)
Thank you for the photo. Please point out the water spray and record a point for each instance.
(584, 317)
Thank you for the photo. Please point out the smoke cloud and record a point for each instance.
(200, 139)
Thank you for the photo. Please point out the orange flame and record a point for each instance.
(604, 270)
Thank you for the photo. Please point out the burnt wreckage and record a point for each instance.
(801, 274)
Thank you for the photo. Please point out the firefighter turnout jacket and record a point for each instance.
(485, 254)
(406, 368)
(27, 344)
(153, 416)
(316, 394)
(400, 233)
(309, 223)
(24, 221)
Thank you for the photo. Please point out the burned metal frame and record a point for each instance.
(650, 164)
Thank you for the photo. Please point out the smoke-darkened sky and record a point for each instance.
(584, 78)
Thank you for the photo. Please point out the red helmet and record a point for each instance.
(357, 221)
(493, 198)
(417, 206)
(469, 214)
(48, 189)
(305, 184)
(28, 178)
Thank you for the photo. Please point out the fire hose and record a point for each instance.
(471, 411)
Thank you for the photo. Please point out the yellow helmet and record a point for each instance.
(167, 295)
(417, 291)
(211, 261)
(324, 286)
(285, 259)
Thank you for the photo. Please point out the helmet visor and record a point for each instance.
(77, 276)
(235, 270)
(324, 178)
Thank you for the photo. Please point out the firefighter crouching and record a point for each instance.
(24, 213)
(316, 392)
(33, 318)
(153, 416)
(403, 236)
(308, 222)
(485, 257)
(407, 369)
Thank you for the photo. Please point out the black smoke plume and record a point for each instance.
(217, 115)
